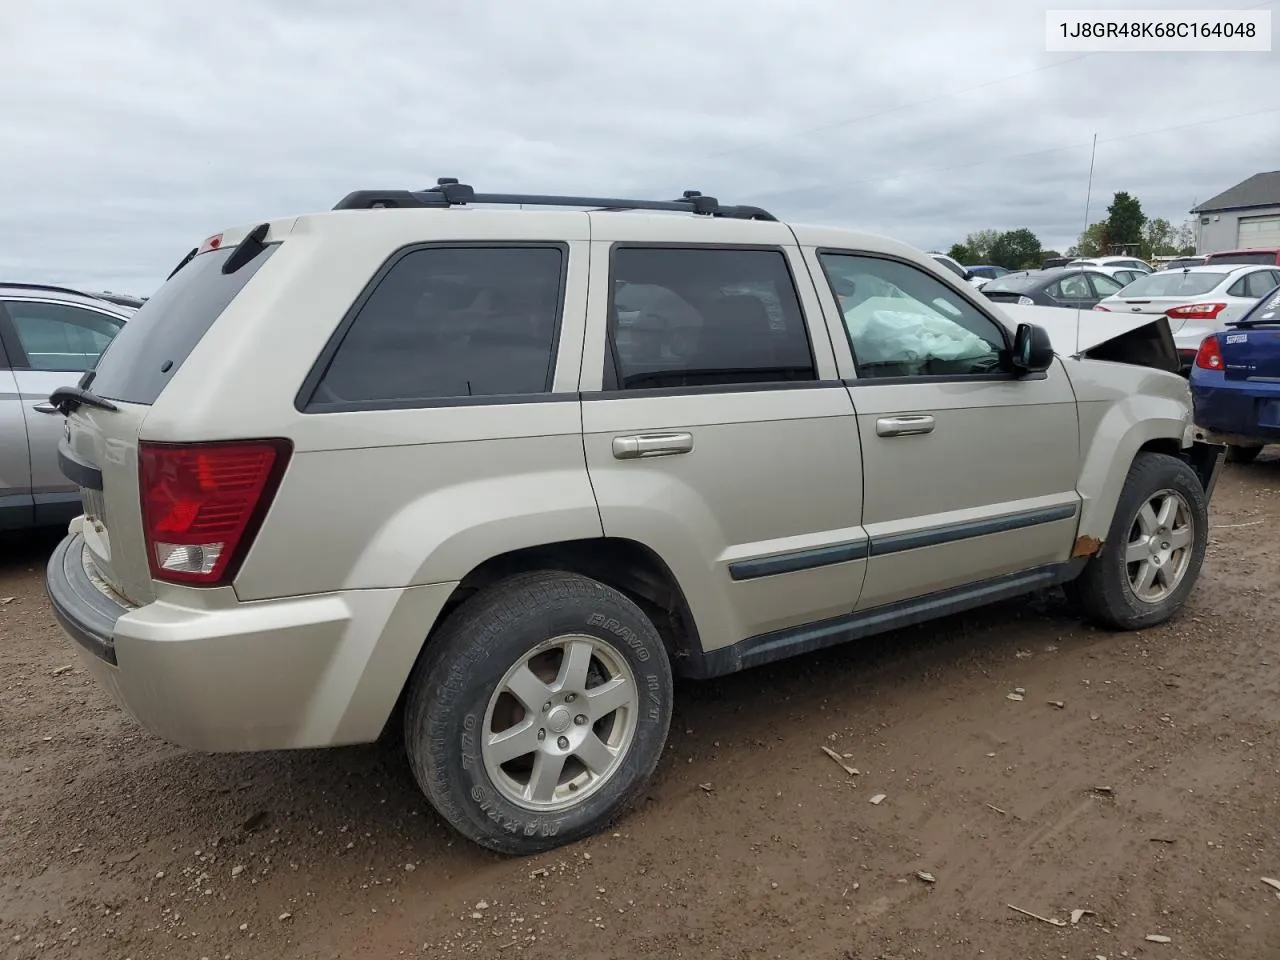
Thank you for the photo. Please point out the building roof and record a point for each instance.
(1260, 190)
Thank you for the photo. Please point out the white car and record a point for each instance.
(1121, 275)
(1197, 300)
(964, 273)
(1125, 263)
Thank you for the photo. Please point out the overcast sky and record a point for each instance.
(134, 128)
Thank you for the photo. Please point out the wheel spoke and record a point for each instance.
(608, 697)
(528, 689)
(513, 742)
(1148, 522)
(573, 671)
(1164, 575)
(1168, 509)
(1137, 551)
(595, 755)
(1146, 577)
(545, 777)
(1180, 538)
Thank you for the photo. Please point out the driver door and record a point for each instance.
(969, 474)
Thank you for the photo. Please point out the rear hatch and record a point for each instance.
(100, 449)
(1251, 346)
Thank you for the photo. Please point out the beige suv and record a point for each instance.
(499, 474)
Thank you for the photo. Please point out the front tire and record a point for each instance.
(1236, 454)
(539, 712)
(1154, 549)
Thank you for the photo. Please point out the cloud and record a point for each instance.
(135, 130)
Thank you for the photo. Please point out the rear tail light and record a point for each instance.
(1209, 356)
(202, 505)
(1196, 311)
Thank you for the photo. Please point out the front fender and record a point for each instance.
(1122, 409)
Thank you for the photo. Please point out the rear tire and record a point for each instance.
(1149, 562)
(1237, 454)
(539, 712)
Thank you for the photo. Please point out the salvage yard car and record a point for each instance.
(497, 475)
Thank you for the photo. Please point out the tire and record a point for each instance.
(460, 693)
(1104, 590)
(1242, 454)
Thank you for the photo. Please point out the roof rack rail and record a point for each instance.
(448, 192)
(51, 288)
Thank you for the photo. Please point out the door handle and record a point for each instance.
(651, 445)
(908, 426)
(44, 407)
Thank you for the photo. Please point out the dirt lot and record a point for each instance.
(752, 843)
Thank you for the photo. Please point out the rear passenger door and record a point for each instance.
(716, 431)
(15, 462)
(970, 473)
(1074, 291)
(51, 344)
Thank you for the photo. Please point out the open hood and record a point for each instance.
(1142, 339)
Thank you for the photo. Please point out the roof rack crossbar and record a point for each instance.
(449, 192)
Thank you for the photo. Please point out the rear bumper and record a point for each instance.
(218, 675)
(1229, 414)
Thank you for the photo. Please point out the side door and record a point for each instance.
(969, 473)
(16, 510)
(717, 432)
(1104, 286)
(1074, 291)
(52, 345)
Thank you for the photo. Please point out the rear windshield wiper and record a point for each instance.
(68, 399)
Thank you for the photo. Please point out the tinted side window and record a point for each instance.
(447, 323)
(1238, 289)
(1259, 284)
(902, 322)
(59, 337)
(702, 317)
(1104, 286)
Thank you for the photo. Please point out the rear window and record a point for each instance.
(1245, 256)
(1169, 283)
(446, 324)
(1012, 283)
(157, 340)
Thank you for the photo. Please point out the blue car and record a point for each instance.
(1235, 382)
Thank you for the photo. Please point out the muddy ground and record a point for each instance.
(752, 842)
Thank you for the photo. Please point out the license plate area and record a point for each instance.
(94, 529)
(1269, 413)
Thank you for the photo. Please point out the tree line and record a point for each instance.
(1126, 229)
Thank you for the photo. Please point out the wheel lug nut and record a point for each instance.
(546, 706)
(569, 698)
(580, 720)
(542, 734)
(564, 743)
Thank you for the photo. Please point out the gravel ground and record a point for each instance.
(752, 842)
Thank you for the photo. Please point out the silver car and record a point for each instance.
(47, 335)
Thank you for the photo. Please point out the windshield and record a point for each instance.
(1175, 284)
(1013, 282)
(1248, 256)
(1265, 311)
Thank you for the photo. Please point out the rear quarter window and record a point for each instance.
(157, 340)
(446, 325)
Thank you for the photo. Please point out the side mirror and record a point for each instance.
(968, 274)
(1032, 351)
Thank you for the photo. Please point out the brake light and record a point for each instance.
(202, 505)
(1196, 311)
(1209, 356)
(212, 243)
